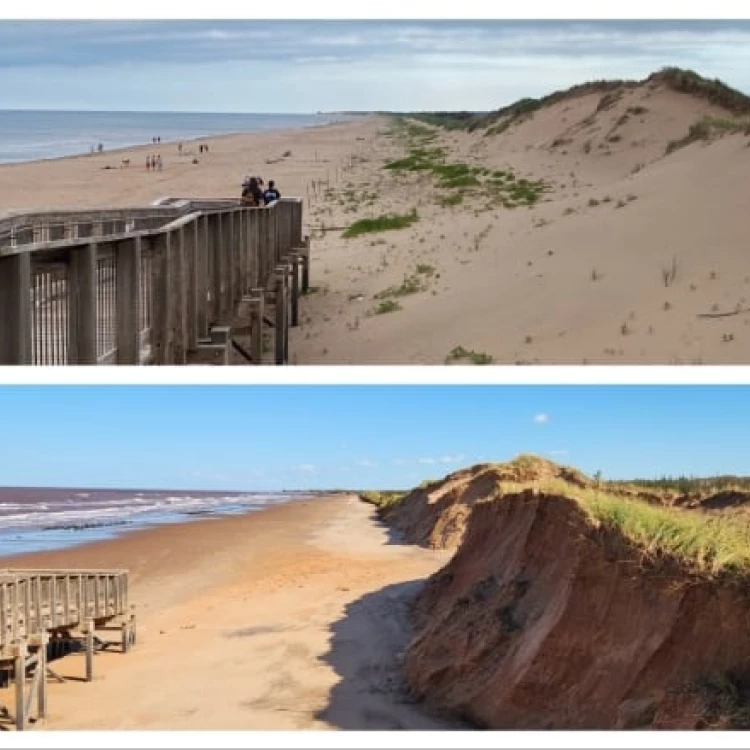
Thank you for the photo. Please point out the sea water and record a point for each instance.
(34, 520)
(27, 135)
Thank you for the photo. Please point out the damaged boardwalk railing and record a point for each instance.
(166, 284)
(45, 614)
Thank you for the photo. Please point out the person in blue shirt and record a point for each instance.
(272, 194)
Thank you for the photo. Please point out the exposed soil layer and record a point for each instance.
(542, 620)
(435, 514)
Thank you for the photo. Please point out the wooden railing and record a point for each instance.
(139, 286)
(35, 601)
(42, 611)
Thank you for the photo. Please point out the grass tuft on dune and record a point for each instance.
(384, 223)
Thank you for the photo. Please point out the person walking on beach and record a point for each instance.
(158, 161)
(272, 194)
(148, 163)
(179, 149)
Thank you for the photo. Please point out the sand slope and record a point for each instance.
(576, 279)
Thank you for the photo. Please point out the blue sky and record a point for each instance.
(306, 437)
(305, 66)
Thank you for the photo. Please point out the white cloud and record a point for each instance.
(541, 418)
(366, 464)
(399, 462)
(308, 468)
(451, 459)
(426, 461)
(559, 453)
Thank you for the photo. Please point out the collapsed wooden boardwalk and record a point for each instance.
(165, 284)
(48, 613)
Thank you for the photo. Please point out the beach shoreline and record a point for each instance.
(101, 531)
(172, 142)
(101, 180)
(296, 615)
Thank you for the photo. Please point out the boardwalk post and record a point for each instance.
(297, 230)
(248, 282)
(240, 244)
(306, 266)
(204, 280)
(256, 329)
(19, 656)
(230, 236)
(160, 325)
(280, 317)
(89, 650)
(179, 297)
(15, 309)
(193, 296)
(128, 301)
(287, 313)
(41, 667)
(220, 266)
(295, 289)
(82, 321)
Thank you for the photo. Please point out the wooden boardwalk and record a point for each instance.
(47, 613)
(156, 285)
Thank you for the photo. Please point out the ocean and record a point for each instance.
(27, 135)
(35, 519)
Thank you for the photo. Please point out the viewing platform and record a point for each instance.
(180, 282)
(46, 614)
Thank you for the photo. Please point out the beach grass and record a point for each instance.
(708, 544)
(410, 285)
(387, 306)
(383, 501)
(458, 353)
(705, 129)
(386, 223)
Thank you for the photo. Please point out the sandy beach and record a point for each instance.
(84, 181)
(290, 618)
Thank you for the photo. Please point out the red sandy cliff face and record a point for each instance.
(435, 515)
(541, 621)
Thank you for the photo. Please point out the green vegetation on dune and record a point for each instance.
(712, 90)
(503, 186)
(381, 224)
(418, 160)
(707, 544)
(459, 354)
(383, 501)
(706, 129)
(387, 306)
(683, 485)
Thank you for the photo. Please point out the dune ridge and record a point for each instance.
(573, 603)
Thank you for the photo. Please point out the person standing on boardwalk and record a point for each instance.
(251, 192)
(272, 194)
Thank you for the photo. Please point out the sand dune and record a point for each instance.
(578, 277)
